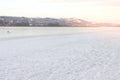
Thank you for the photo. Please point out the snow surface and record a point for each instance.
(87, 55)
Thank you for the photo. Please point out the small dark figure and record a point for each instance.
(8, 32)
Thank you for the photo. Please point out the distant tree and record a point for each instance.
(1, 22)
(54, 24)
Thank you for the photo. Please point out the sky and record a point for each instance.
(91, 10)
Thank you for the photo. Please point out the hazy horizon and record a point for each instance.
(91, 10)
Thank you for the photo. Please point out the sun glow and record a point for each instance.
(98, 11)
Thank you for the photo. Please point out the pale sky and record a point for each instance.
(92, 10)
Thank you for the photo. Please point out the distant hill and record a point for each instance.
(25, 21)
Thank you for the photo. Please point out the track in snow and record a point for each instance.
(83, 56)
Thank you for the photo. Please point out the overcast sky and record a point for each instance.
(92, 10)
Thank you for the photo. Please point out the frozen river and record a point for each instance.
(66, 53)
(7, 32)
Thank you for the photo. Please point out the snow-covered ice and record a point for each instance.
(90, 54)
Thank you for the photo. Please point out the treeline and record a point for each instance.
(24, 21)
